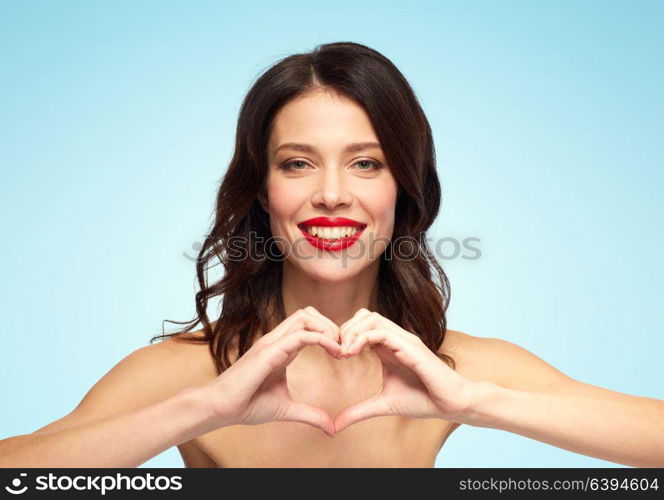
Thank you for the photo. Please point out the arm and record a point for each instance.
(162, 395)
(127, 439)
(533, 399)
(140, 408)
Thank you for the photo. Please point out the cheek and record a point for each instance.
(284, 198)
(381, 204)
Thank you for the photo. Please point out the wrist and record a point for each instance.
(203, 405)
(483, 397)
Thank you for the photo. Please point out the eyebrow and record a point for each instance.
(307, 148)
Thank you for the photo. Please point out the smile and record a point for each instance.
(331, 233)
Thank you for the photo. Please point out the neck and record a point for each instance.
(338, 301)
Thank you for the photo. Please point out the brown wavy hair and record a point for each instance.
(414, 293)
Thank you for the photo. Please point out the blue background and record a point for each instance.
(117, 119)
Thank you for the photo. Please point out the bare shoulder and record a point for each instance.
(470, 354)
(146, 375)
(188, 361)
(160, 370)
(502, 362)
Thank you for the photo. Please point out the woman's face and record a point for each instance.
(325, 177)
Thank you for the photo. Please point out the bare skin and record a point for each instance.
(520, 393)
(169, 393)
(159, 396)
(387, 441)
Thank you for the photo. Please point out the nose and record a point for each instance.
(331, 191)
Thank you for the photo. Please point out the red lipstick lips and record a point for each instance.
(331, 244)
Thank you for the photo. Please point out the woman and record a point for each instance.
(332, 334)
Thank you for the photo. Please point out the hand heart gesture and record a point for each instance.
(416, 383)
(254, 389)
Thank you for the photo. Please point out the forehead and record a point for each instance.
(322, 118)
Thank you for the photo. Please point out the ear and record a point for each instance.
(262, 199)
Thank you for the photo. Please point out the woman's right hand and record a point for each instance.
(253, 390)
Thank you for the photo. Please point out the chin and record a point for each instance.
(332, 271)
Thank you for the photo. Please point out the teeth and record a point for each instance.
(333, 232)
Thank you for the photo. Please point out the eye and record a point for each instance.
(292, 164)
(373, 165)
(300, 165)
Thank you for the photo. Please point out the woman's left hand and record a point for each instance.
(416, 382)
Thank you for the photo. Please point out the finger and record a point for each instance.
(375, 406)
(295, 321)
(360, 313)
(262, 363)
(333, 326)
(309, 321)
(307, 414)
(415, 356)
(356, 345)
(405, 352)
(296, 341)
(302, 320)
(347, 330)
(372, 321)
(278, 354)
(365, 322)
(388, 323)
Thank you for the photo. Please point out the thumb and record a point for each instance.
(307, 414)
(375, 406)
